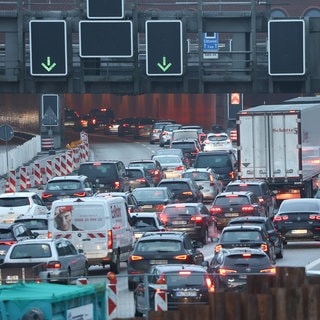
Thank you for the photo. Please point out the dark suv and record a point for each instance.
(260, 188)
(252, 236)
(107, 175)
(223, 162)
(66, 186)
(183, 189)
(161, 248)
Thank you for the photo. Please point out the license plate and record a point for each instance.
(303, 231)
(187, 293)
(232, 214)
(179, 222)
(243, 276)
(147, 206)
(159, 261)
(12, 279)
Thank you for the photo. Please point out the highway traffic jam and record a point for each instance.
(248, 196)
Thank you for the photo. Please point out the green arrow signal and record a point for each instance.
(48, 66)
(164, 66)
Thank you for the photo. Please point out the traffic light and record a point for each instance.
(48, 48)
(286, 47)
(50, 110)
(164, 48)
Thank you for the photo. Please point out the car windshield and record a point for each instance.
(63, 185)
(14, 202)
(197, 176)
(159, 246)
(245, 187)
(36, 250)
(149, 194)
(240, 236)
(234, 200)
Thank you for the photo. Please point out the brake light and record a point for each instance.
(117, 184)
(50, 235)
(135, 258)
(224, 272)
(247, 209)
(179, 168)
(280, 218)
(94, 121)
(182, 257)
(54, 265)
(80, 194)
(264, 247)
(187, 193)
(231, 175)
(140, 127)
(141, 180)
(261, 200)
(216, 210)
(161, 280)
(8, 243)
(46, 195)
(314, 217)
(163, 217)
(218, 248)
(159, 207)
(209, 284)
(110, 240)
(246, 255)
(270, 270)
(184, 273)
(196, 218)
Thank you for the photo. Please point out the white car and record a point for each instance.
(36, 223)
(217, 141)
(15, 204)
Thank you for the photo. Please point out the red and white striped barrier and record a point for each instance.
(11, 184)
(37, 174)
(57, 167)
(112, 296)
(63, 164)
(69, 163)
(49, 170)
(76, 157)
(24, 179)
(160, 297)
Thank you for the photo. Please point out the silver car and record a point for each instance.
(62, 262)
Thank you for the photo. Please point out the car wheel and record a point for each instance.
(161, 145)
(279, 255)
(204, 238)
(68, 279)
(138, 314)
(86, 271)
(151, 142)
(131, 285)
(115, 266)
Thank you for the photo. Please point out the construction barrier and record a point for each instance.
(57, 167)
(111, 296)
(11, 183)
(63, 164)
(37, 174)
(24, 179)
(47, 143)
(49, 170)
(69, 161)
(160, 297)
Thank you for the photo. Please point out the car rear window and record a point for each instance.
(149, 194)
(14, 202)
(301, 206)
(99, 171)
(237, 200)
(185, 146)
(35, 224)
(247, 260)
(175, 186)
(159, 246)
(145, 165)
(37, 250)
(198, 176)
(134, 174)
(245, 187)
(180, 210)
(241, 236)
(63, 185)
(213, 161)
(6, 234)
(185, 279)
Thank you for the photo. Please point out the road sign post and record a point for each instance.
(50, 110)
(164, 48)
(48, 48)
(112, 39)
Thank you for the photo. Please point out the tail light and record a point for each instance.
(261, 200)
(110, 240)
(161, 280)
(117, 184)
(231, 175)
(209, 284)
(247, 209)
(246, 255)
(80, 194)
(94, 121)
(53, 265)
(163, 217)
(46, 195)
(280, 218)
(264, 247)
(142, 180)
(50, 235)
(183, 257)
(135, 258)
(179, 168)
(140, 127)
(159, 207)
(197, 219)
(224, 272)
(187, 193)
(269, 270)
(314, 217)
(216, 210)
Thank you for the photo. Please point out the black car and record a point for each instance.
(142, 127)
(223, 162)
(99, 120)
(153, 198)
(227, 205)
(268, 225)
(126, 127)
(138, 178)
(183, 189)
(66, 186)
(261, 188)
(186, 284)
(230, 267)
(106, 175)
(251, 236)
(193, 218)
(190, 147)
(299, 219)
(155, 248)
(10, 233)
(72, 119)
(152, 167)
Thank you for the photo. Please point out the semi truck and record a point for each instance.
(281, 144)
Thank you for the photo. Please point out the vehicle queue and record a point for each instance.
(180, 212)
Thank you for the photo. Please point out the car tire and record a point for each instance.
(204, 238)
(151, 142)
(138, 314)
(161, 145)
(115, 266)
(86, 271)
(279, 255)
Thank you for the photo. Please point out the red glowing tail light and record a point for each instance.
(187, 193)
(231, 175)
(117, 184)
(53, 265)
(142, 180)
(163, 217)
(80, 194)
(247, 209)
(197, 219)
(280, 218)
(110, 240)
(314, 217)
(215, 210)
(183, 257)
(46, 195)
(264, 247)
(179, 168)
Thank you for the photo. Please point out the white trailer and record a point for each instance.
(281, 144)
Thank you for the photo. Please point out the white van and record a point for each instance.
(99, 226)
